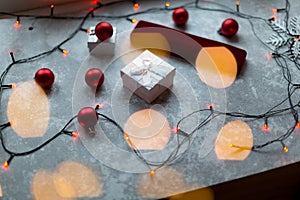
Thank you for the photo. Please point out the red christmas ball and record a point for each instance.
(87, 117)
(180, 16)
(44, 77)
(94, 77)
(229, 27)
(104, 30)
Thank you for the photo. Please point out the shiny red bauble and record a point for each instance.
(44, 77)
(104, 31)
(229, 27)
(94, 77)
(87, 117)
(180, 16)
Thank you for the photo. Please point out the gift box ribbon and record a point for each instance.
(148, 72)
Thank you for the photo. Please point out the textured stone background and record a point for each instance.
(258, 87)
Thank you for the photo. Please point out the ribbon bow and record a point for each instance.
(149, 71)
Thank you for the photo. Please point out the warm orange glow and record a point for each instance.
(239, 147)
(152, 173)
(205, 193)
(269, 56)
(136, 6)
(11, 123)
(234, 142)
(285, 149)
(100, 105)
(167, 181)
(266, 128)
(175, 129)
(275, 11)
(5, 165)
(297, 125)
(75, 135)
(17, 24)
(13, 86)
(65, 52)
(75, 180)
(88, 31)
(237, 3)
(133, 20)
(168, 4)
(43, 186)
(216, 67)
(126, 137)
(28, 110)
(295, 39)
(156, 42)
(210, 106)
(147, 129)
(51, 6)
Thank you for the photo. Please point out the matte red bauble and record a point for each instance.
(229, 27)
(180, 16)
(87, 117)
(44, 77)
(94, 77)
(104, 31)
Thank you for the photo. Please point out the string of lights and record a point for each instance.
(282, 59)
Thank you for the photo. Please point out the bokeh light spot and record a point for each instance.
(216, 67)
(28, 108)
(234, 141)
(147, 129)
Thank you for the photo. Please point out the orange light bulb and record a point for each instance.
(297, 125)
(136, 6)
(5, 165)
(126, 137)
(152, 173)
(75, 135)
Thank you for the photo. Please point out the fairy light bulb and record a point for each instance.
(266, 126)
(13, 86)
(51, 9)
(126, 137)
(133, 20)
(175, 130)
(167, 5)
(285, 149)
(65, 52)
(75, 135)
(18, 22)
(5, 165)
(237, 3)
(99, 106)
(136, 6)
(297, 126)
(152, 173)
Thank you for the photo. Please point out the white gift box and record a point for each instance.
(106, 47)
(148, 76)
